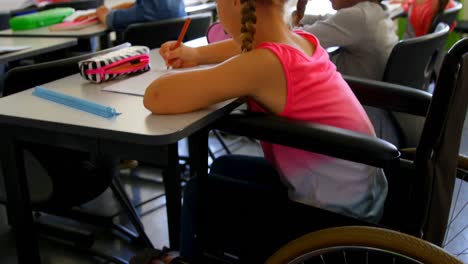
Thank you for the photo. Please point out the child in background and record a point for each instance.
(121, 16)
(364, 32)
(366, 36)
(284, 73)
(421, 13)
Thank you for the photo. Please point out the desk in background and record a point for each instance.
(135, 134)
(324, 7)
(201, 8)
(37, 46)
(44, 32)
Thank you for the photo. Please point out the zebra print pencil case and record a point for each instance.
(127, 61)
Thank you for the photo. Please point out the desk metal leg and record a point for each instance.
(121, 196)
(2, 77)
(171, 177)
(198, 154)
(18, 201)
(130, 211)
(105, 41)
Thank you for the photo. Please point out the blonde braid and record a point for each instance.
(249, 19)
(299, 13)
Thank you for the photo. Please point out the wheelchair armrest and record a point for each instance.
(323, 139)
(390, 96)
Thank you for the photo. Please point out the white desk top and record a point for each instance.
(37, 46)
(134, 120)
(319, 7)
(87, 32)
(197, 42)
(8, 5)
(207, 7)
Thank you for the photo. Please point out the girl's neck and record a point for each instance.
(270, 26)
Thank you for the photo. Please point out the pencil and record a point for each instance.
(181, 36)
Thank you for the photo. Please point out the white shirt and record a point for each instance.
(365, 34)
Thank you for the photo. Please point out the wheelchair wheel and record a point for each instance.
(359, 244)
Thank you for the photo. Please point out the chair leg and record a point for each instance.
(107, 258)
(221, 141)
(80, 238)
(212, 156)
(129, 209)
(94, 253)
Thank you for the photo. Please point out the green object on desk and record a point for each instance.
(40, 19)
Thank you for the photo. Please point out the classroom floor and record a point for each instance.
(144, 183)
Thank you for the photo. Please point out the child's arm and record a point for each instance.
(103, 11)
(184, 56)
(124, 6)
(342, 29)
(257, 74)
(311, 19)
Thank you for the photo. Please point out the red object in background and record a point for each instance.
(75, 25)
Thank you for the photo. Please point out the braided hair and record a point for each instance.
(298, 14)
(249, 19)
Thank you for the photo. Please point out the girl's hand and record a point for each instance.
(181, 57)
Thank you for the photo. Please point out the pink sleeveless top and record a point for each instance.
(317, 93)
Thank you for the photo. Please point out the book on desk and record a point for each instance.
(74, 25)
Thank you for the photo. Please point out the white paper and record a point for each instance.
(78, 13)
(6, 49)
(136, 85)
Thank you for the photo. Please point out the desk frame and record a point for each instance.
(103, 142)
(103, 34)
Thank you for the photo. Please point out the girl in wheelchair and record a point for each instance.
(254, 205)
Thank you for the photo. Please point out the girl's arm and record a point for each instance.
(218, 52)
(184, 56)
(102, 11)
(342, 29)
(257, 74)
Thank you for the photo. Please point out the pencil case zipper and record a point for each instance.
(108, 69)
